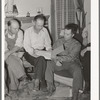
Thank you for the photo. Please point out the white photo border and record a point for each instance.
(94, 49)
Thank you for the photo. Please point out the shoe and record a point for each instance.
(8, 97)
(36, 87)
(23, 83)
(43, 86)
(87, 86)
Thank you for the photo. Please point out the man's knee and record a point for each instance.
(77, 71)
(50, 67)
(41, 58)
(11, 58)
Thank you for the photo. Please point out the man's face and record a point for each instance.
(38, 25)
(68, 34)
(14, 28)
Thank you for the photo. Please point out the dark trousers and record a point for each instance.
(39, 63)
(86, 69)
(7, 79)
(73, 68)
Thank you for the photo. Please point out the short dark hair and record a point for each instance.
(14, 19)
(40, 16)
(72, 26)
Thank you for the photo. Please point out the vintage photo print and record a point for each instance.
(49, 50)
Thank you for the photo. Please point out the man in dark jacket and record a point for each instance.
(66, 60)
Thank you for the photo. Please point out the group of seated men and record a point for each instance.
(37, 38)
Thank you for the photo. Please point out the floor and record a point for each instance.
(62, 92)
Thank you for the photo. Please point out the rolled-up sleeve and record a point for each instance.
(19, 41)
(47, 40)
(27, 43)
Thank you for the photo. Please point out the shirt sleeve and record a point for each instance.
(19, 41)
(57, 44)
(27, 43)
(5, 46)
(73, 53)
(47, 40)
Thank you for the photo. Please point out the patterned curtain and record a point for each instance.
(62, 13)
(80, 14)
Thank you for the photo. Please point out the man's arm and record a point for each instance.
(72, 55)
(47, 40)
(85, 50)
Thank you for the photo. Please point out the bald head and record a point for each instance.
(13, 26)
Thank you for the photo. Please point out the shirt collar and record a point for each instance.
(68, 41)
(10, 36)
(42, 30)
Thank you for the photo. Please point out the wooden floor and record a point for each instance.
(26, 93)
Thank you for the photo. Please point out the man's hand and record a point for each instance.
(83, 52)
(88, 48)
(34, 55)
(59, 59)
(58, 63)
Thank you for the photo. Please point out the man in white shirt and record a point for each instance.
(37, 38)
(13, 43)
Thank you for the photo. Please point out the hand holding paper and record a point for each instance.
(58, 63)
(51, 54)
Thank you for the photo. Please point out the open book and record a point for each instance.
(50, 53)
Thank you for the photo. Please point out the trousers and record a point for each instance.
(39, 63)
(73, 68)
(16, 71)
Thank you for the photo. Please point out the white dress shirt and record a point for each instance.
(33, 41)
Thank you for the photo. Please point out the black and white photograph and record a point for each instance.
(47, 49)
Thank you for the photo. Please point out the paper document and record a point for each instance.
(49, 54)
(45, 54)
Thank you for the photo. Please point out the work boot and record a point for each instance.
(23, 82)
(87, 88)
(43, 86)
(36, 85)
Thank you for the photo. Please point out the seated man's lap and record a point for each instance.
(15, 65)
(13, 60)
(68, 69)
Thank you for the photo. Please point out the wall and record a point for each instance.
(87, 8)
(31, 6)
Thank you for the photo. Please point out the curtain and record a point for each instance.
(80, 14)
(62, 13)
(79, 4)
